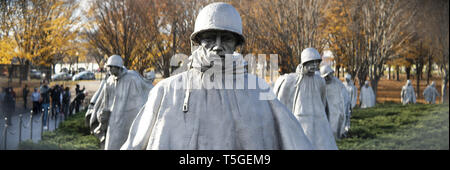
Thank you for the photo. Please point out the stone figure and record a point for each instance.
(352, 93)
(338, 102)
(118, 102)
(430, 93)
(407, 95)
(366, 96)
(214, 104)
(304, 92)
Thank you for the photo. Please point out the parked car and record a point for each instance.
(81, 69)
(36, 74)
(62, 76)
(85, 75)
(65, 70)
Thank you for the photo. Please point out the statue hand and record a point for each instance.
(104, 116)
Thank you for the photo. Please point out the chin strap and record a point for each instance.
(186, 96)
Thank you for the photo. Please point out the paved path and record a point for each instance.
(13, 131)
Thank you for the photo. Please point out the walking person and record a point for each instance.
(8, 105)
(2, 97)
(61, 93)
(78, 90)
(35, 96)
(45, 102)
(13, 93)
(66, 101)
(56, 96)
(76, 103)
(25, 92)
(79, 97)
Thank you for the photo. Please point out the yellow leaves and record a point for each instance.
(42, 31)
(6, 51)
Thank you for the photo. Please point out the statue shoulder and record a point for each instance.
(175, 81)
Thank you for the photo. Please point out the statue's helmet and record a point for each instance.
(150, 75)
(348, 76)
(218, 16)
(115, 60)
(325, 70)
(310, 54)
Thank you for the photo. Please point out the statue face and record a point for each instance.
(310, 67)
(218, 42)
(328, 78)
(113, 70)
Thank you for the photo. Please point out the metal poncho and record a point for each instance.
(351, 89)
(338, 103)
(183, 113)
(366, 96)
(123, 96)
(306, 97)
(94, 106)
(407, 94)
(430, 93)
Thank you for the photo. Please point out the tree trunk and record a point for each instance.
(389, 72)
(374, 84)
(24, 69)
(408, 72)
(397, 68)
(429, 69)
(419, 73)
(418, 83)
(21, 73)
(444, 96)
(174, 40)
(53, 68)
(337, 70)
(10, 71)
(27, 70)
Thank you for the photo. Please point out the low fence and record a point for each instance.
(25, 128)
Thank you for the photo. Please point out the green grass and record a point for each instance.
(71, 134)
(393, 126)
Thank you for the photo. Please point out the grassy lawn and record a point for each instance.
(393, 126)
